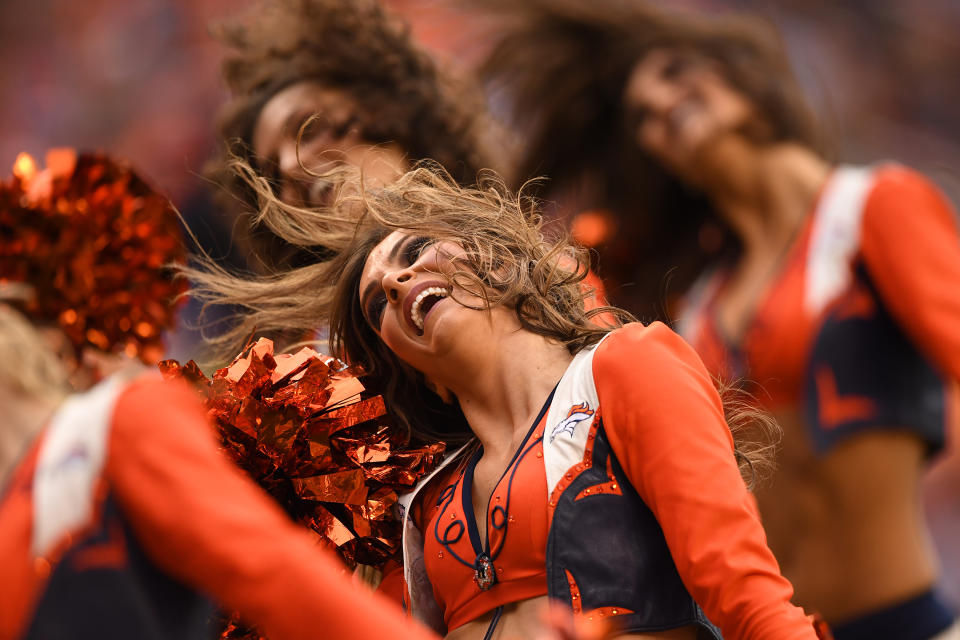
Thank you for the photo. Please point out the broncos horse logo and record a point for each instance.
(577, 414)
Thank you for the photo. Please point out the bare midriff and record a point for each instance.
(524, 620)
(847, 526)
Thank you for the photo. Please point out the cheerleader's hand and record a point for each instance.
(559, 623)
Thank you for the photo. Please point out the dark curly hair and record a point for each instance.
(562, 66)
(354, 46)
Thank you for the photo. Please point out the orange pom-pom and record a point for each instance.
(92, 241)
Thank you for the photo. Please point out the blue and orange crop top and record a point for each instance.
(859, 328)
(104, 533)
(625, 500)
(461, 566)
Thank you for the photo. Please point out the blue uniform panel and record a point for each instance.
(106, 588)
(865, 373)
(627, 565)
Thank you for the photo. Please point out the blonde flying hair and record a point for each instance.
(28, 364)
(30, 371)
(506, 256)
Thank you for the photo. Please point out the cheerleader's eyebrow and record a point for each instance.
(402, 247)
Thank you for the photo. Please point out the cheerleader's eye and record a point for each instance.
(345, 128)
(677, 66)
(415, 247)
(375, 310)
(637, 116)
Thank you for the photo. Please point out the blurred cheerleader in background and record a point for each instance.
(123, 518)
(833, 287)
(84, 246)
(319, 83)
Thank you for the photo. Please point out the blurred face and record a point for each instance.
(682, 107)
(332, 138)
(407, 300)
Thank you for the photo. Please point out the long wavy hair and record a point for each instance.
(30, 371)
(28, 364)
(357, 47)
(509, 257)
(561, 68)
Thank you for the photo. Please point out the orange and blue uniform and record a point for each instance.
(857, 332)
(623, 501)
(124, 521)
(859, 329)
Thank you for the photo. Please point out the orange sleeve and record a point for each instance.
(664, 419)
(911, 248)
(22, 583)
(203, 521)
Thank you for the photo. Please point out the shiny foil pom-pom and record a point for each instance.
(305, 429)
(92, 243)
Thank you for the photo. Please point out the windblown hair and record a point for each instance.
(506, 257)
(562, 66)
(28, 364)
(357, 47)
(29, 370)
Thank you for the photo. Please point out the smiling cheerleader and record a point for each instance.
(832, 287)
(598, 468)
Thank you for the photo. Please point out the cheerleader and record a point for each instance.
(832, 287)
(123, 519)
(598, 468)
